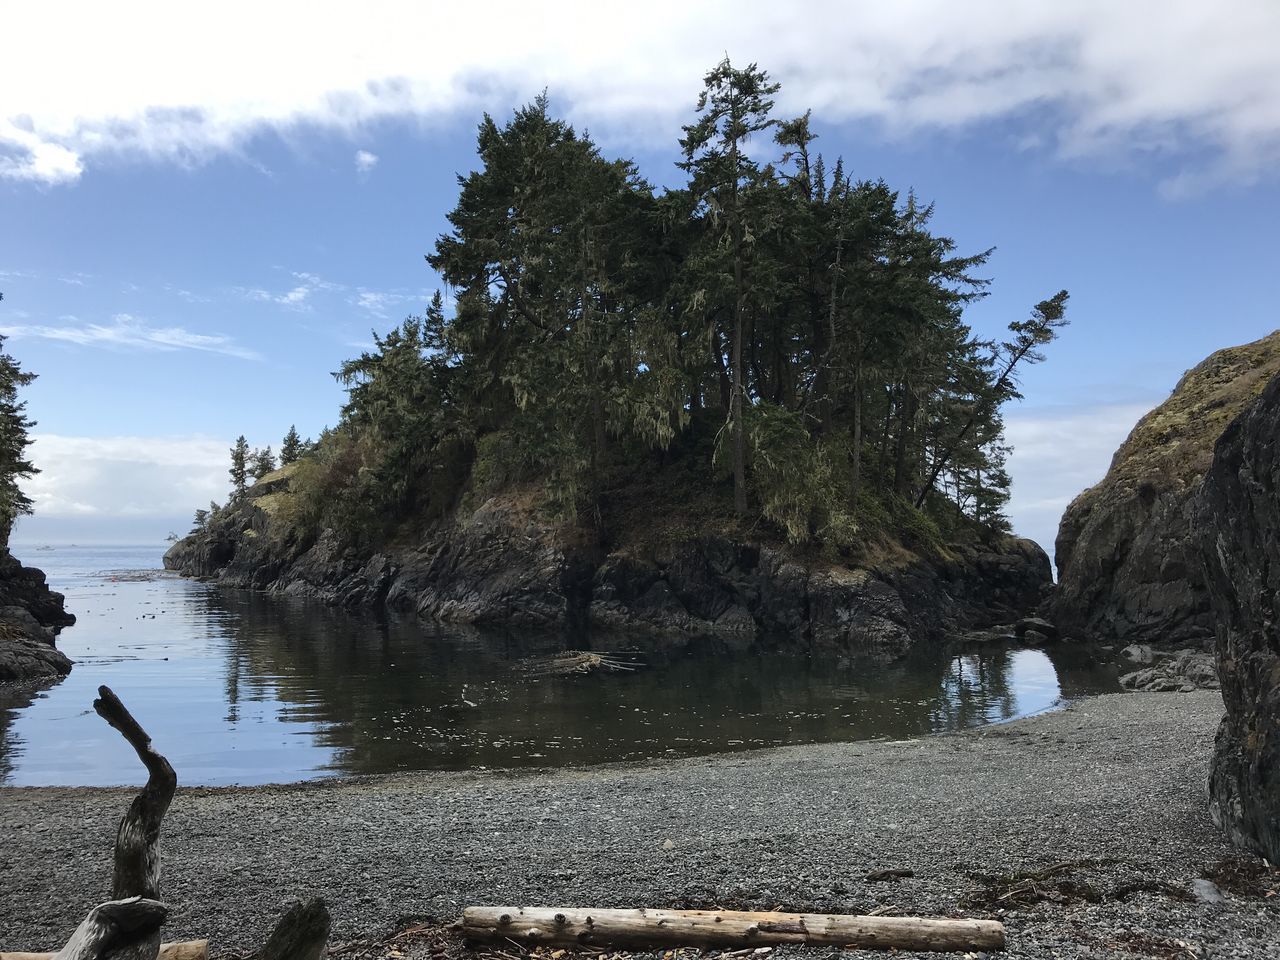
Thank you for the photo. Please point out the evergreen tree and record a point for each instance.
(200, 521)
(733, 105)
(239, 466)
(261, 462)
(14, 439)
(772, 315)
(291, 448)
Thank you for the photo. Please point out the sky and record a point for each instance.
(205, 209)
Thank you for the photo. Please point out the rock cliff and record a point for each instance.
(502, 564)
(1128, 568)
(1237, 513)
(30, 617)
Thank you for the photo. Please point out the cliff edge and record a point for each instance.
(1128, 567)
(1237, 515)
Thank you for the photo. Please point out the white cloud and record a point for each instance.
(365, 161)
(1056, 455)
(126, 476)
(296, 297)
(172, 82)
(127, 332)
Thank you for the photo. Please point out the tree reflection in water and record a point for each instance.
(249, 689)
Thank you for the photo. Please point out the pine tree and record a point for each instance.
(291, 448)
(239, 466)
(14, 439)
(733, 105)
(261, 462)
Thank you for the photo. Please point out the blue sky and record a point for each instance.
(202, 219)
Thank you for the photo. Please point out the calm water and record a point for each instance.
(238, 688)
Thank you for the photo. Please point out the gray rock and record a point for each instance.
(30, 617)
(1238, 516)
(1036, 625)
(1128, 560)
(1185, 671)
(1206, 891)
(1138, 653)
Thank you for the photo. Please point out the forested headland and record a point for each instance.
(775, 345)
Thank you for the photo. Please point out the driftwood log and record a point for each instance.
(185, 950)
(128, 926)
(724, 928)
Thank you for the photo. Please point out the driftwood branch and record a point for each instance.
(121, 928)
(724, 928)
(184, 950)
(301, 934)
(128, 926)
(137, 858)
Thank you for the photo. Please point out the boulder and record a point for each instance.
(1181, 673)
(1238, 517)
(1128, 563)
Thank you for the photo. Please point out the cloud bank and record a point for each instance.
(128, 332)
(1056, 455)
(126, 476)
(184, 83)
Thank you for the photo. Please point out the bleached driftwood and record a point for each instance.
(183, 950)
(121, 928)
(724, 928)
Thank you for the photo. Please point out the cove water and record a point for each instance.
(237, 688)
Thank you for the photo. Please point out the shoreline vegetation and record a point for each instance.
(1084, 830)
(706, 409)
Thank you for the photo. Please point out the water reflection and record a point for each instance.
(239, 688)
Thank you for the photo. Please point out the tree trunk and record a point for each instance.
(724, 928)
(855, 454)
(906, 420)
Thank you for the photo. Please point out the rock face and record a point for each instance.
(30, 617)
(1238, 520)
(1128, 566)
(501, 565)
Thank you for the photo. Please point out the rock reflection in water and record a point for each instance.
(248, 689)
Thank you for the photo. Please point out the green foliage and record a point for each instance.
(239, 470)
(14, 439)
(801, 482)
(810, 322)
(261, 462)
(291, 448)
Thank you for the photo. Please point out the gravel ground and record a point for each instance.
(1085, 830)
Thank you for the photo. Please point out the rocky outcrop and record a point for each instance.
(1179, 672)
(1128, 566)
(30, 617)
(501, 564)
(1238, 520)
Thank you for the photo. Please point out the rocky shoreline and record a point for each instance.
(31, 616)
(1085, 830)
(502, 564)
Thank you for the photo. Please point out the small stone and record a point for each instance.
(668, 845)
(1206, 891)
